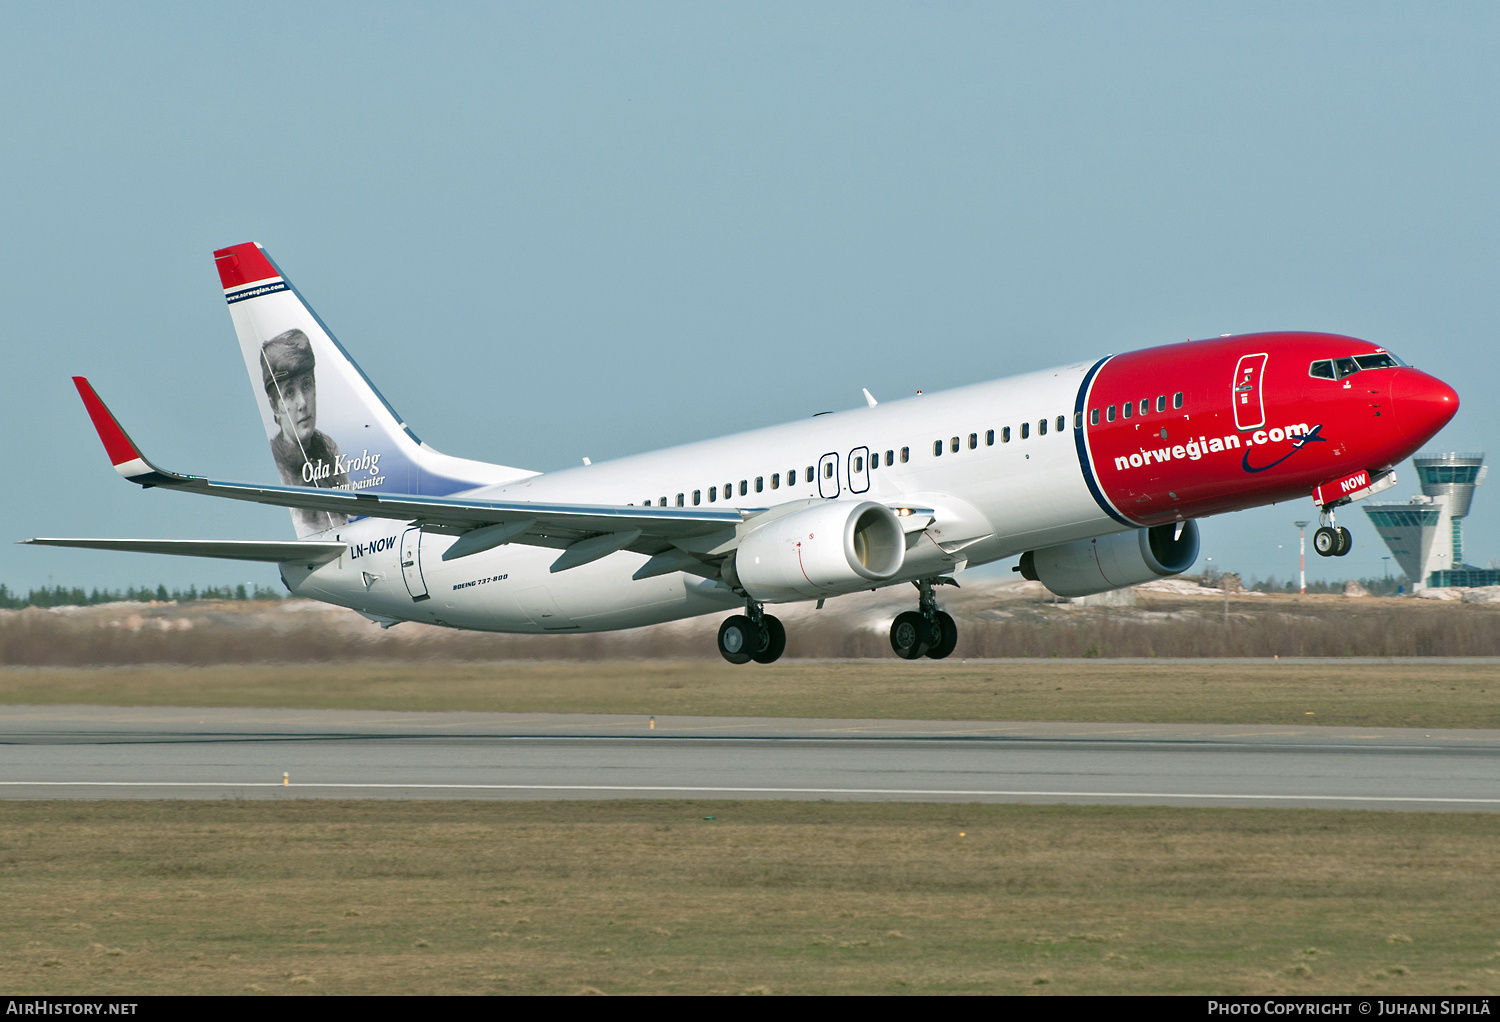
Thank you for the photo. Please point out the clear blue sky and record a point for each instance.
(556, 230)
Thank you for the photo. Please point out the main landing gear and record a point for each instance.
(753, 635)
(1331, 539)
(925, 631)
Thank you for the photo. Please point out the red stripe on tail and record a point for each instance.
(243, 264)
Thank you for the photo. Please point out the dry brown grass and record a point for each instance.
(620, 897)
(995, 620)
(1434, 693)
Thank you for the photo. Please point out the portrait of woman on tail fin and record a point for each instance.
(305, 455)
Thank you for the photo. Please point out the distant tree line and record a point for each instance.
(1374, 586)
(62, 596)
(1271, 584)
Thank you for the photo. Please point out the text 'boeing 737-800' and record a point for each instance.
(1094, 473)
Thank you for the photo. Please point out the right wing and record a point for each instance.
(584, 531)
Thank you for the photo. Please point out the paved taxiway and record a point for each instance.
(113, 752)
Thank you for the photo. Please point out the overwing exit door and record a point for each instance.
(828, 475)
(859, 470)
(1249, 400)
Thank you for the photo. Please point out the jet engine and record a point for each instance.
(1121, 559)
(823, 550)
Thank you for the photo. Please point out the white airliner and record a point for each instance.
(1093, 472)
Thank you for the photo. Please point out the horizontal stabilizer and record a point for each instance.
(287, 552)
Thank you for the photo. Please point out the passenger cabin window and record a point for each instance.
(937, 448)
(679, 500)
(728, 490)
(1145, 405)
(1077, 420)
(890, 458)
(1128, 409)
(810, 476)
(697, 497)
(744, 487)
(1005, 434)
(713, 494)
(973, 441)
(1094, 417)
(663, 501)
(1161, 402)
(760, 484)
(775, 480)
(828, 469)
(989, 438)
(1062, 423)
(859, 464)
(1025, 430)
(954, 444)
(905, 455)
(1177, 400)
(1110, 413)
(1041, 427)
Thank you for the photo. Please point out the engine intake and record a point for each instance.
(1097, 565)
(824, 550)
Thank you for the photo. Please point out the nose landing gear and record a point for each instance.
(925, 631)
(1331, 539)
(753, 635)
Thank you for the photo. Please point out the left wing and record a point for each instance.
(585, 532)
(294, 552)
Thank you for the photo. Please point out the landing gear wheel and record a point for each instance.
(1346, 542)
(738, 636)
(1325, 542)
(948, 639)
(773, 641)
(908, 634)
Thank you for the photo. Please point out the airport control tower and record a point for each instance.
(1426, 534)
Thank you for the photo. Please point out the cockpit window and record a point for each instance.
(1338, 368)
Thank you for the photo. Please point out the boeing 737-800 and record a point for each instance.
(1094, 473)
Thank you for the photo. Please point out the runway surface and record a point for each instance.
(185, 753)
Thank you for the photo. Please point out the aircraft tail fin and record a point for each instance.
(326, 423)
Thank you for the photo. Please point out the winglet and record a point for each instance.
(123, 453)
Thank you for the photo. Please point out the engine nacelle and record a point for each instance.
(1121, 559)
(823, 550)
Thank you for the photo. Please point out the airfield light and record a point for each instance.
(1301, 556)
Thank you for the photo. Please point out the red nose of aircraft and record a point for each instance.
(1423, 404)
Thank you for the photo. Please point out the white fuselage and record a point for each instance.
(993, 498)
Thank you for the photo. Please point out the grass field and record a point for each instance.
(651, 897)
(1434, 693)
(620, 897)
